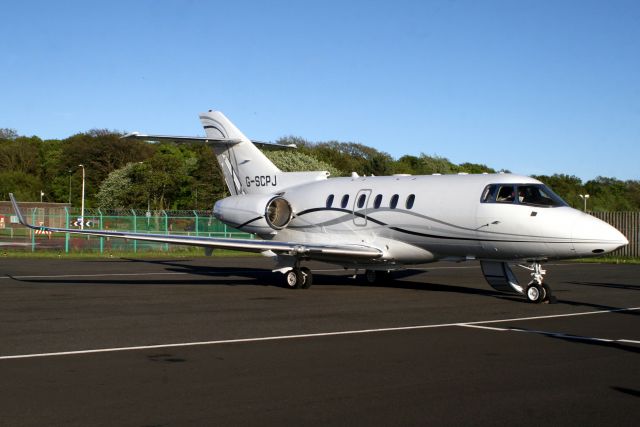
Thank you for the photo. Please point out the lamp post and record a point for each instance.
(82, 208)
(69, 186)
(584, 197)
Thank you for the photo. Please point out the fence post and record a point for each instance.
(197, 221)
(166, 228)
(66, 235)
(33, 233)
(135, 227)
(101, 228)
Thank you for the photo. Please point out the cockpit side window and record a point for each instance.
(506, 194)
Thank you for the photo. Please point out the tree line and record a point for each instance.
(136, 174)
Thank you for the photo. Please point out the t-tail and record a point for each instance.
(245, 168)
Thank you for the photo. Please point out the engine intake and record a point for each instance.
(278, 213)
(255, 213)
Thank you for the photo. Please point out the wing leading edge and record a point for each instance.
(289, 248)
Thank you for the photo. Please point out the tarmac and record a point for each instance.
(218, 341)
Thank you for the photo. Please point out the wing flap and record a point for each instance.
(247, 245)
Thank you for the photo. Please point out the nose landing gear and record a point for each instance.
(537, 291)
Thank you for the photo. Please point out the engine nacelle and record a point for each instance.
(254, 213)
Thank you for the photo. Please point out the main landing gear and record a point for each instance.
(298, 278)
(537, 291)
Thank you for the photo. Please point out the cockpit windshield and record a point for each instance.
(522, 194)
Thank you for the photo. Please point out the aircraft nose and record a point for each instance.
(591, 236)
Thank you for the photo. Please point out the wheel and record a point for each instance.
(293, 279)
(535, 293)
(307, 278)
(548, 296)
(371, 276)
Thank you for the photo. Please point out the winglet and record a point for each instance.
(16, 209)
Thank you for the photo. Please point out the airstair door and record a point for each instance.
(360, 204)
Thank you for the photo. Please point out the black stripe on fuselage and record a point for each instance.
(417, 233)
(248, 222)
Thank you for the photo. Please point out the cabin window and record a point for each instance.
(394, 201)
(377, 201)
(410, 200)
(345, 201)
(330, 200)
(361, 200)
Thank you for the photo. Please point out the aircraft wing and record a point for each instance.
(200, 139)
(247, 245)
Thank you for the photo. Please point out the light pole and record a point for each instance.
(584, 197)
(69, 186)
(41, 195)
(82, 208)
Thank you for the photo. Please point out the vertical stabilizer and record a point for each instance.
(246, 169)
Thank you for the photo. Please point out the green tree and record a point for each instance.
(25, 187)
(101, 152)
(295, 161)
(608, 194)
(569, 187)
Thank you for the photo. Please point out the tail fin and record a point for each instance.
(246, 169)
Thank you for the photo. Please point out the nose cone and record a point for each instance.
(592, 236)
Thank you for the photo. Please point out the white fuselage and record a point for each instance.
(434, 217)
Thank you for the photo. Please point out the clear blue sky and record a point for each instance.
(537, 87)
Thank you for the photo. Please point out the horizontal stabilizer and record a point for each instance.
(200, 139)
(170, 138)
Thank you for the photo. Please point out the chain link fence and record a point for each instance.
(187, 223)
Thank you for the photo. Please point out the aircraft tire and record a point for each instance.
(293, 279)
(307, 278)
(371, 276)
(548, 297)
(535, 293)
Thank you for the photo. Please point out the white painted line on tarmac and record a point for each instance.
(298, 336)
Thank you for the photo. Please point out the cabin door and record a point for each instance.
(360, 204)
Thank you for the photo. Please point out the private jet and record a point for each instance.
(379, 224)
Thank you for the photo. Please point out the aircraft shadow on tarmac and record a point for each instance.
(235, 276)
(585, 340)
(608, 285)
(266, 277)
(625, 390)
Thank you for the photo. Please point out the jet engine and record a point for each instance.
(254, 213)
